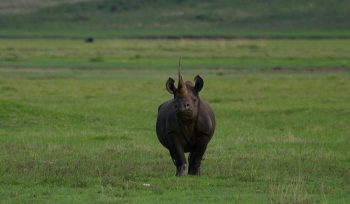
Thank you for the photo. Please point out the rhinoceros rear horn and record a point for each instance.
(182, 89)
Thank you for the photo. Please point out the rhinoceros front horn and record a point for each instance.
(182, 89)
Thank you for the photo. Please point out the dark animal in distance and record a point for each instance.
(185, 124)
(89, 40)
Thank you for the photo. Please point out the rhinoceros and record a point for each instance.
(185, 124)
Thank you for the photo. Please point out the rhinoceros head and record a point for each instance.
(186, 96)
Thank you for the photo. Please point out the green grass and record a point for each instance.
(77, 121)
(88, 136)
(163, 54)
(175, 19)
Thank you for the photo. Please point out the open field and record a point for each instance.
(163, 54)
(174, 19)
(77, 121)
(88, 136)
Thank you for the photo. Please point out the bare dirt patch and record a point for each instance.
(24, 6)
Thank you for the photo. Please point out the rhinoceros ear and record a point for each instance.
(198, 83)
(170, 87)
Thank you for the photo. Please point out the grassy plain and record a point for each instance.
(161, 54)
(77, 125)
(174, 18)
(77, 120)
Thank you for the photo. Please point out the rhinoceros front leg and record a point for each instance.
(178, 156)
(179, 163)
(179, 159)
(196, 156)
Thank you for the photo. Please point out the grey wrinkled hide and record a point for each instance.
(185, 124)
